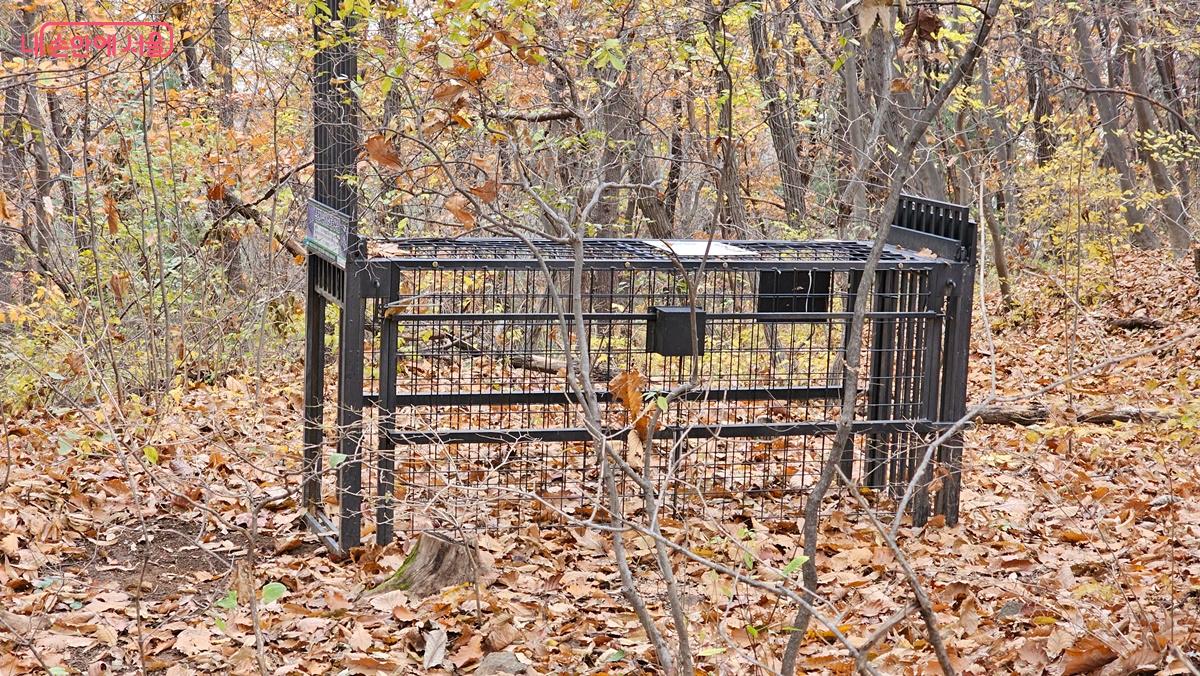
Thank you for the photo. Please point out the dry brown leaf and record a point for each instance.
(360, 639)
(628, 387)
(471, 652)
(501, 636)
(1074, 536)
(435, 649)
(448, 92)
(1087, 654)
(460, 207)
(487, 191)
(113, 217)
(193, 641)
(871, 11)
(21, 624)
(370, 666)
(969, 616)
(381, 152)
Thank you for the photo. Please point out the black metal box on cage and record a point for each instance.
(452, 406)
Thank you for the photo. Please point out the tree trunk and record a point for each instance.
(435, 563)
(1164, 59)
(853, 141)
(730, 209)
(66, 166)
(1140, 233)
(999, 133)
(1040, 108)
(671, 194)
(42, 236)
(1032, 414)
(1177, 225)
(223, 61)
(779, 120)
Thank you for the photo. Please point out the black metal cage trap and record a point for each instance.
(454, 403)
(455, 406)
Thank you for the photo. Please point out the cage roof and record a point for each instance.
(754, 253)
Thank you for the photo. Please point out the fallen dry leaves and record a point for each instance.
(1078, 550)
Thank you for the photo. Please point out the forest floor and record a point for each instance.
(1078, 548)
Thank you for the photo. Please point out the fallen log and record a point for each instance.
(1034, 413)
(1136, 323)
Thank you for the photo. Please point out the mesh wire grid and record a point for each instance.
(476, 427)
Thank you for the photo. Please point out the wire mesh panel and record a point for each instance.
(464, 388)
(481, 412)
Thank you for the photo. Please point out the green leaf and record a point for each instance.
(748, 560)
(220, 622)
(794, 564)
(229, 601)
(444, 60)
(336, 459)
(151, 454)
(58, 671)
(273, 591)
(709, 652)
(613, 656)
(661, 400)
(752, 630)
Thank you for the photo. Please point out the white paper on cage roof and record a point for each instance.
(698, 248)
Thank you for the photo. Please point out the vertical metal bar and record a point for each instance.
(931, 367)
(386, 461)
(879, 407)
(314, 388)
(847, 459)
(954, 385)
(335, 132)
(350, 402)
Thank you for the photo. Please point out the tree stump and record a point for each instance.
(435, 562)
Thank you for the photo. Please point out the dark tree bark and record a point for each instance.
(779, 119)
(223, 60)
(1036, 90)
(63, 133)
(1164, 59)
(1140, 233)
(731, 211)
(1176, 219)
(671, 194)
(998, 132)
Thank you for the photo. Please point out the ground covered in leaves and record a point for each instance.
(127, 536)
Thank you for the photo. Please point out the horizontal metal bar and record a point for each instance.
(329, 296)
(713, 265)
(567, 397)
(800, 317)
(738, 430)
(911, 238)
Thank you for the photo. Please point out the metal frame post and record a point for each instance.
(954, 382)
(335, 147)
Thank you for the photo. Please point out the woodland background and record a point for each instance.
(151, 318)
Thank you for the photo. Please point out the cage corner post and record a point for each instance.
(335, 148)
(959, 308)
(314, 395)
(954, 388)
